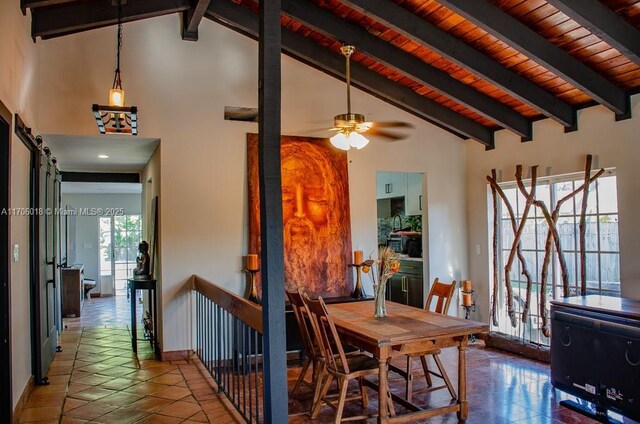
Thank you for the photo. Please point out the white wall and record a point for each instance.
(87, 241)
(20, 310)
(151, 184)
(613, 144)
(181, 89)
(18, 71)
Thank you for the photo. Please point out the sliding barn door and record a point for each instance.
(47, 297)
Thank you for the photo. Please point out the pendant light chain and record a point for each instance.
(117, 81)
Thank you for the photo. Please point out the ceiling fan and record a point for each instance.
(352, 126)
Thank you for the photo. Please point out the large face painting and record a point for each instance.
(316, 218)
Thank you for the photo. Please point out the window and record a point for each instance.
(602, 247)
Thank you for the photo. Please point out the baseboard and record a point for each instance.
(24, 398)
(92, 295)
(175, 355)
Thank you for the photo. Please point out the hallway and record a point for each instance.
(97, 378)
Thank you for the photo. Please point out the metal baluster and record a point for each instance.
(250, 395)
(228, 354)
(237, 357)
(218, 349)
(257, 382)
(244, 370)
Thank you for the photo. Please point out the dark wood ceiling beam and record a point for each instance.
(445, 44)
(307, 51)
(32, 4)
(333, 26)
(511, 31)
(604, 23)
(191, 20)
(73, 18)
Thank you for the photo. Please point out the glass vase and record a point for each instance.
(380, 306)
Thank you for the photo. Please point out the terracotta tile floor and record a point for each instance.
(98, 379)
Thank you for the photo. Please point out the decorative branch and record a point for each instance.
(583, 227)
(551, 235)
(496, 282)
(515, 248)
(512, 218)
(525, 271)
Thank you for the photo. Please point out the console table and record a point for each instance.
(150, 285)
(595, 353)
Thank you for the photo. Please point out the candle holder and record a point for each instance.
(251, 289)
(468, 309)
(358, 291)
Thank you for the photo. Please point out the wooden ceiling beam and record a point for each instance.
(513, 32)
(333, 26)
(311, 53)
(32, 4)
(414, 27)
(606, 24)
(78, 17)
(191, 20)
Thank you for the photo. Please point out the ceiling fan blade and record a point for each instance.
(246, 114)
(313, 132)
(391, 124)
(385, 134)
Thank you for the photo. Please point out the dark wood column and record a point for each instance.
(272, 248)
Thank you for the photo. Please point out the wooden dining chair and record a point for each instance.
(339, 366)
(311, 349)
(443, 293)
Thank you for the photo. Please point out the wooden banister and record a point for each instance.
(246, 311)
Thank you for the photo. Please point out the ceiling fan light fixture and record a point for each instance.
(357, 140)
(340, 141)
(347, 140)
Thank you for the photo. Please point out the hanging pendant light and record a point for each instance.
(349, 124)
(116, 118)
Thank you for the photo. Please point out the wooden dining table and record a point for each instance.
(403, 331)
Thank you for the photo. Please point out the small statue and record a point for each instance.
(141, 271)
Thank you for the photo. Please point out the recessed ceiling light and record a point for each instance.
(103, 156)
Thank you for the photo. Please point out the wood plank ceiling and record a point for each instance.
(469, 66)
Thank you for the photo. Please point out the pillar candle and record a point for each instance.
(252, 262)
(466, 286)
(466, 300)
(357, 257)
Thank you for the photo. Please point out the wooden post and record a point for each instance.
(272, 244)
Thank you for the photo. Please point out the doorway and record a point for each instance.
(119, 240)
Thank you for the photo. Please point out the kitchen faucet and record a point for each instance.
(393, 223)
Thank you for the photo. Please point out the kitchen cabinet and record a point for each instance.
(413, 200)
(407, 285)
(391, 184)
